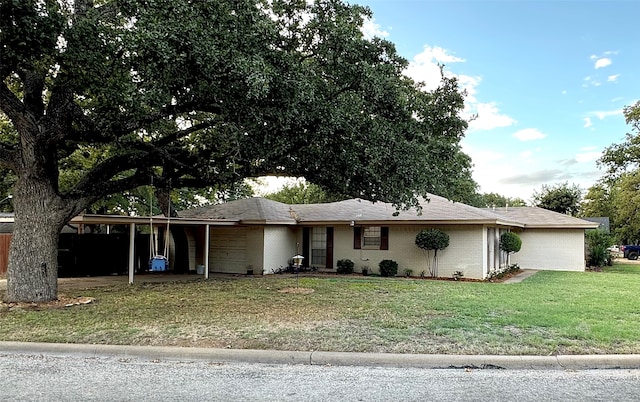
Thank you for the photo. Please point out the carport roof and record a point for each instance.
(249, 211)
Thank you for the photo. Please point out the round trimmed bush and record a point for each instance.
(510, 242)
(432, 239)
(345, 266)
(388, 268)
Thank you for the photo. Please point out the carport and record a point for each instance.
(157, 223)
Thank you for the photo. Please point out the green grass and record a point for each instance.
(549, 313)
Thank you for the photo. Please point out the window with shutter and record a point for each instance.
(371, 237)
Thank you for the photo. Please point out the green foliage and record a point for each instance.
(499, 274)
(207, 105)
(624, 157)
(432, 239)
(598, 201)
(625, 200)
(489, 200)
(302, 193)
(622, 180)
(562, 198)
(510, 242)
(597, 243)
(388, 268)
(345, 266)
(617, 198)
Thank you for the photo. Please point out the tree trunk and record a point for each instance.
(32, 274)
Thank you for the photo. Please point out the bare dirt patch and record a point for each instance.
(299, 291)
(62, 302)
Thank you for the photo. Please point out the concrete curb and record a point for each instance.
(560, 362)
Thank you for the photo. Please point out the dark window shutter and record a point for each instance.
(329, 262)
(306, 246)
(384, 238)
(357, 237)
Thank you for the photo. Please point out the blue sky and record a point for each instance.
(548, 80)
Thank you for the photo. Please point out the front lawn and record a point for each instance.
(549, 313)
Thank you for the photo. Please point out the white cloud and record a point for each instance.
(588, 156)
(488, 117)
(526, 154)
(590, 81)
(602, 62)
(372, 29)
(613, 78)
(603, 114)
(587, 122)
(529, 134)
(425, 67)
(437, 54)
(481, 157)
(564, 92)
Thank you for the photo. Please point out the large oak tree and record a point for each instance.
(205, 93)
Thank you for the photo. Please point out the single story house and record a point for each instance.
(269, 233)
(259, 235)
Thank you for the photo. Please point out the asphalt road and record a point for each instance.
(56, 377)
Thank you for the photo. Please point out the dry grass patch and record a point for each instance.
(551, 312)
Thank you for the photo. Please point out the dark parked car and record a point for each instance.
(630, 252)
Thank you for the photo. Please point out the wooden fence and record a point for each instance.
(5, 241)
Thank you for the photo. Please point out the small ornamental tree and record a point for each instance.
(432, 239)
(510, 243)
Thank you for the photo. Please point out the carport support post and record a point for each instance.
(207, 239)
(132, 249)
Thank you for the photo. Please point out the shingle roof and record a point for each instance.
(261, 210)
(256, 210)
(437, 210)
(534, 217)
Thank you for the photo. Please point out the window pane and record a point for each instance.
(319, 246)
(318, 257)
(371, 236)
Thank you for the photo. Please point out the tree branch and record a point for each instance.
(127, 127)
(33, 84)
(168, 139)
(23, 121)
